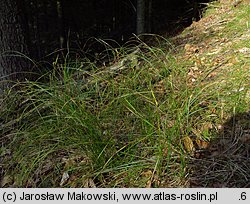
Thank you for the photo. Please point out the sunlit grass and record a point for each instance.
(121, 123)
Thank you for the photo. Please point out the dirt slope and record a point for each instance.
(218, 49)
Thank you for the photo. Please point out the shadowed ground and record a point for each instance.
(226, 162)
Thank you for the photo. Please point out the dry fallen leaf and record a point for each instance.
(64, 179)
(188, 144)
(89, 183)
(148, 184)
(191, 49)
(244, 50)
(201, 144)
(148, 175)
(6, 181)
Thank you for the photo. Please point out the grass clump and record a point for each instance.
(94, 124)
(137, 120)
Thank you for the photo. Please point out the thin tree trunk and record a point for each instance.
(140, 25)
(149, 16)
(196, 15)
(60, 23)
(13, 42)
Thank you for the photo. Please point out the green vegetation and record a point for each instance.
(130, 124)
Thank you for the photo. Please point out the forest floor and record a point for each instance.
(219, 45)
(176, 114)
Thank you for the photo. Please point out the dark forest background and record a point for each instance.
(54, 24)
(37, 32)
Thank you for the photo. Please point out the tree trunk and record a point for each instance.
(196, 15)
(149, 16)
(13, 42)
(60, 23)
(140, 22)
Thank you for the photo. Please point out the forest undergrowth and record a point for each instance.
(172, 114)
